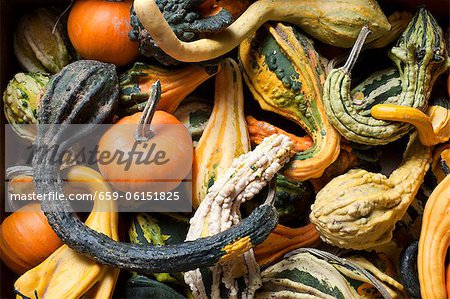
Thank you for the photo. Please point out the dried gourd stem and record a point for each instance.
(143, 131)
(60, 16)
(356, 50)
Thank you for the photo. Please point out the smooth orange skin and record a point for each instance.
(26, 239)
(98, 30)
(174, 140)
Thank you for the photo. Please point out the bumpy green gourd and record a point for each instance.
(20, 102)
(359, 209)
(41, 43)
(285, 75)
(420, 57)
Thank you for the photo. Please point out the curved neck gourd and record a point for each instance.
(359, 209)
(420, 56)
(316, 17)
(285, 75)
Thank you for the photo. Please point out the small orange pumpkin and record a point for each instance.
(26, 238)
(166, 148)
(98, 29)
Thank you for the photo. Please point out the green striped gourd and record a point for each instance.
(420, 57)
(20, 102)
(225, 136)
(312, 273)
(285, 75)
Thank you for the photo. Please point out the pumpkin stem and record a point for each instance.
(356, 49)
(143, 132)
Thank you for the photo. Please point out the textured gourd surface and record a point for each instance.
(219, 211)
(359, 209)
(420, 56)
(286, 75)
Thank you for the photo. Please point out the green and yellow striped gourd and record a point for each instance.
(225, 136)
(420, 56)
(286, 76)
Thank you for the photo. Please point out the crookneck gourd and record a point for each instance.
(219, 211)
(20, 101)
(286, 75)
(175, 85)
(359, 209)
(41, 43)
(332, 22)
(86, 92)
(184, 20)
(434, 242)
(66, 273)
(225, 136)
(420, 56)
(433, 126)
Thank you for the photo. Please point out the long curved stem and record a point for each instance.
(356, 50)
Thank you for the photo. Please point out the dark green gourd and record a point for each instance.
(420, 56)
(86, 92)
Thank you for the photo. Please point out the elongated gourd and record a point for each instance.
(419, 62)
(433, 127)
(359, 209)
(220, 210)
(176, 85)
(284, 239)
(332, 22)
(434, 242)
(99, 100)
(225, 136)
(285, 75)
(66, 273)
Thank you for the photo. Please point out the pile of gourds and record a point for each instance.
(306, 195)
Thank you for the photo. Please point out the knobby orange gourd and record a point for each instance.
(259, 130)
(166, 146)
(98, 29)
(434, 242)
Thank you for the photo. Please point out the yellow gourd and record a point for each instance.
(66, 273)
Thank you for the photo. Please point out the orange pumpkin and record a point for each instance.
(166, 150)
(98, 29)
(26, 239)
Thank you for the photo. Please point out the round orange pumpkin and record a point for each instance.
(170, 138)
(98, 29)
(26, 239)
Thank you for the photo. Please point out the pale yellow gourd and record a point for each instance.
(66, 273)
